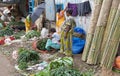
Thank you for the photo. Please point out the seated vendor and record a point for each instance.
(53, 41)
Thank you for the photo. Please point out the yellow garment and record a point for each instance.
(66, 43)
(60, 18)
(27, 25)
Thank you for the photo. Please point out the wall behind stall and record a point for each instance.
(50, 10)
(83, 22)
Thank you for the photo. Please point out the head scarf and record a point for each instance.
(28, 18)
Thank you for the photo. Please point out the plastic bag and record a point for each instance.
(78, 43)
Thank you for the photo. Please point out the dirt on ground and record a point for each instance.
(6, 69)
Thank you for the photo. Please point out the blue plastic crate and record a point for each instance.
(31, 6)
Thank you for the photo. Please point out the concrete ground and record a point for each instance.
(6, 69)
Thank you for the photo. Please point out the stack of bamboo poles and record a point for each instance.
(112, 42)
(94, 19)
(109, 25)
(104, 34)
(99, 32)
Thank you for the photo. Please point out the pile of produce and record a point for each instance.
(64, 71)
(18, 35)
(6, 31)
(32, 33)
(62, 67)
(17, 25)
(65, 62)
(57, 63)
(14, 23)
(41, 44)
(27, 57)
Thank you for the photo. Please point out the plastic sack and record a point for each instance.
(78, 43)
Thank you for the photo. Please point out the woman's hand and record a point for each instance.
(65, 36)
(49, 36)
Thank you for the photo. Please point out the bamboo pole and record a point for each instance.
(112, 43)
(109, 25)
(99, 32)
(94, 19)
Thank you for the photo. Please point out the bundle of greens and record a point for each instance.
(44, 72)
(31, 34)
(27, 57)
(41, 44)
(17, 35)
(54, 65)
(65, 62)
(64, 71)
(18, 23)
(6, 31)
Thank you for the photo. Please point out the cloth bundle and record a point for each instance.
(81, 9)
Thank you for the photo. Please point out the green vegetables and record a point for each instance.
(17, 35)
(6, 31)
(23, 65)
(65, 62)
(27, 57)
(87, 73)
(64, 71)
(31, 34)
(62, 67)
(18, 23)
(44, 72)
(57, 63)
(41, 44)
(116, 70)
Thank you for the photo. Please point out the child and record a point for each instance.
(44, 32)
(6, 13)
(53, 41)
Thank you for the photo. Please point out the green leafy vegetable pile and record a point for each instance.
(27, 57)
(64, 71)
(23, 65)
(44, 72)
(65, 62)
(57, 63)
(6, 31)
(31, 34)
(16, 23)
(17, 35)
(62, 67)
(41, 44)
